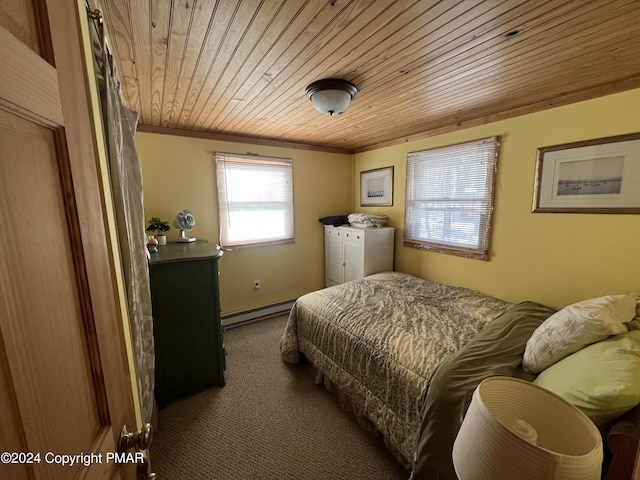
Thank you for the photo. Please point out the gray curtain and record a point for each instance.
(126, 185)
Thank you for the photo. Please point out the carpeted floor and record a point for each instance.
(270, 421)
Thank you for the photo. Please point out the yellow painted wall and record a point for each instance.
(179, 172)
(551, 258)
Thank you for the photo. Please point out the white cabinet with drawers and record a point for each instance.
(351, 253)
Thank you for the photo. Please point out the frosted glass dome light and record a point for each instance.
(331, 95)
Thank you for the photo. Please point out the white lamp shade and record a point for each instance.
(516, 430)
(331, 95)
(331, 101)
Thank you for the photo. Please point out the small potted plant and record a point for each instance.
(157, 225)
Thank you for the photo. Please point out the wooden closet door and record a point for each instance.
(63, 371)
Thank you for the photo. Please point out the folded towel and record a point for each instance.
(363, 225)
(368, 219)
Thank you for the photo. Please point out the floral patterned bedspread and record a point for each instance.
(379, 340)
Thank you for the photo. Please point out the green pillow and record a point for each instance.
(602, 379)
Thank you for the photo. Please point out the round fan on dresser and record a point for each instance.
(185, 222)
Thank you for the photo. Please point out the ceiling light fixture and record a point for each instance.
(331, 95)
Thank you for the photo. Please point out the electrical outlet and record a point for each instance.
(256, 285)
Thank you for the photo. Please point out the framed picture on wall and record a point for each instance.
(376, 187)
(593, 176)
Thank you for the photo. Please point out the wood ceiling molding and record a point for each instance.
(239, 68)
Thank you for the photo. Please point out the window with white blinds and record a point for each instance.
(449, 198)
(255, 200)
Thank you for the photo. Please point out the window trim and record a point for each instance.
(472, 253)
(219, 158)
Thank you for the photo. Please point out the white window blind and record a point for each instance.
(449, 198)
(255, 200)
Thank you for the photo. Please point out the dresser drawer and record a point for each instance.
(354, 237)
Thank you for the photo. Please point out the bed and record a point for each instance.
(405, 354)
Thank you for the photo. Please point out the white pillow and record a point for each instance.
(635, 323)
(575, 327)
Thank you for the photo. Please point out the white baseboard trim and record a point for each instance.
(256, 314)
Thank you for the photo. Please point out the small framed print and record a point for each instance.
(376, 187)
(593, 176)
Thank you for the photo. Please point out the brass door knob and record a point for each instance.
(139, 440)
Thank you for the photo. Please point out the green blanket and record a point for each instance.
(495, 351)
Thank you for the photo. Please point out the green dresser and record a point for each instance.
(186, 319)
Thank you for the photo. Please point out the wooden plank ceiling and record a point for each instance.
(240, 67)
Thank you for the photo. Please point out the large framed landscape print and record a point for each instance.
(592, 176)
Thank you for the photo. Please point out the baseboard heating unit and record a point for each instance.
(259, 313)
